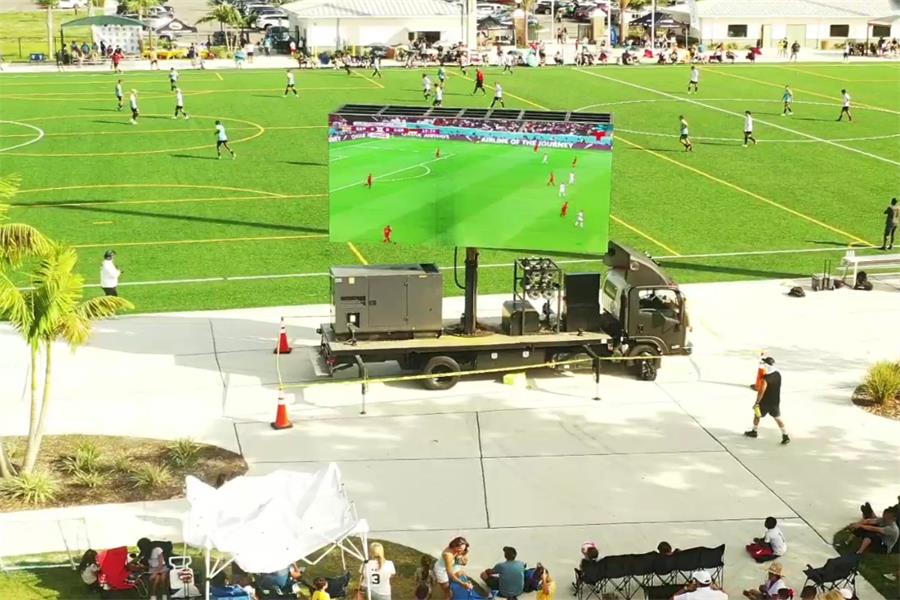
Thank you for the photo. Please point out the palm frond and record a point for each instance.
(9, 186)
(14, 304)
(103, 307)
(18, 241)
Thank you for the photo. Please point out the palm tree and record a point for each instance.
(52, 309)
(17, 241)
(49, 6)
(226, 15)
(528, 8)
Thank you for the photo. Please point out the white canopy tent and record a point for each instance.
(267, 522)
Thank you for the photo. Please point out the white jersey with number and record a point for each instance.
(748, 123)
(290, 78)
(695, 76)
(498, 91)
(379, 580)
(179, 98)
(846, 100)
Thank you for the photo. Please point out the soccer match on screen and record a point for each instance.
(450, 180)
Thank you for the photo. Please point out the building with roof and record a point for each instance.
(821, 24)
(333, 24)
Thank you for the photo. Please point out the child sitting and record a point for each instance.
(425, 574)
(769, 547)
(320, 585)
(90, 570)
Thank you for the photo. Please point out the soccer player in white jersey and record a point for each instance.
(498, 96)
(222, 141)
(426, 86)
(179, 104)
(119, 95)
(291, 85)
(173, 79)
(439, 95)
(579, 219)
(748, 128)
(694, 83)
(133, 101)
(845, 106)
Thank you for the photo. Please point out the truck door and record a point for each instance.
(658, 313)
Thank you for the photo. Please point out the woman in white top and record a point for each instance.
(447, 566)
(772, 587)
(376, 574)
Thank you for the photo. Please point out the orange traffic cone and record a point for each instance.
(282, 420)
(283, 346)
(760, 372)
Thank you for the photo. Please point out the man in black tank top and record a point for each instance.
(768, 401)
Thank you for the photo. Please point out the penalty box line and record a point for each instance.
(673, 258)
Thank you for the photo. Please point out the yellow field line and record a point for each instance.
(104, 186)
(169, 200)
(219, 75)
(738, 188)
(668, 249)
(834, 98)
(205, 241)
(369, 79)
(358, 254)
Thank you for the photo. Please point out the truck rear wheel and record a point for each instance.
(438, 365)
(645, 370)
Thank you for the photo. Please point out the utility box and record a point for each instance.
(396, 301)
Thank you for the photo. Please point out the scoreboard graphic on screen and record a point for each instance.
(505, 179)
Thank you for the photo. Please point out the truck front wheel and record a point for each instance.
(438, 365)
(645, 370)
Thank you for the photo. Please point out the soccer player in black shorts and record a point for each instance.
(768, 401)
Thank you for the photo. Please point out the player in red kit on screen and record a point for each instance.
(552, 180)
(369, 180)
(565, 209)
(387, 235)
(574, 162)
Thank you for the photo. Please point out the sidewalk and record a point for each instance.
(543, 468)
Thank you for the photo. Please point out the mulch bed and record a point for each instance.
(889, 409)
(116, 455)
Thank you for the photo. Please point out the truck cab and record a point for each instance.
(642, 306)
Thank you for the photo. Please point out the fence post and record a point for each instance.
(20, 47)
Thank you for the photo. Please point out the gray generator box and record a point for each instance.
(399, 300)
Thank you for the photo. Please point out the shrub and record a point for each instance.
(182, 453)
(90, 480)
(85, 459)
(883, 381)
(122, 464)
(36, 488)
(150, 476)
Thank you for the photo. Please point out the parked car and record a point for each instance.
(266, 21)
(68, 4)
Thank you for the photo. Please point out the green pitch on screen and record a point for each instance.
(470, 194)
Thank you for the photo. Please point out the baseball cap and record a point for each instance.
(701, 577)
(769, 360)
(109, 254)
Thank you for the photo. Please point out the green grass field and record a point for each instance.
(458, 198)
(22, 33)
(192, 232)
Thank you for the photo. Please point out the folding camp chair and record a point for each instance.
(662, 585)
(836, 573)
(617, 575)
(713, 560)
(115, 576)
(686, 562)
(588, 580)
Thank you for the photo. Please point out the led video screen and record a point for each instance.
(505, 183)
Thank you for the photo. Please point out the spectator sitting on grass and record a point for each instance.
(508, 577)
(878, 535)
(772, 587)
(89, 570)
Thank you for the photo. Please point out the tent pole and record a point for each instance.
(206, 575)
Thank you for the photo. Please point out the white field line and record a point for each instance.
(735, 114)
(227, 278)
(383, 175)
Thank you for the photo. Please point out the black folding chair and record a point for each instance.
(661, 584)
(836, 573)
(617, 575)
(713, 560)
(686, 562)
(588, 580)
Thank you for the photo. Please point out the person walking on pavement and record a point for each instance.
(109, 274)
(892, 212)
(768, 401)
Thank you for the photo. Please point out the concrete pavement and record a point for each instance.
(542, 467)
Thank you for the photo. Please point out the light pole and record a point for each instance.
(653, 27)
